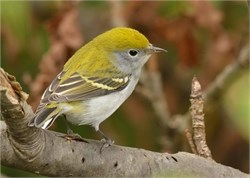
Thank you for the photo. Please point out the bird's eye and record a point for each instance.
(132, 52)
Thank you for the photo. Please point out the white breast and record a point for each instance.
(100, 108)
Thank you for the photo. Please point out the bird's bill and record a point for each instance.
(154, 49)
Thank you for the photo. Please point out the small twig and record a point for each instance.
(191, 141)
(153, 90)
(196, 111)
(222, 80)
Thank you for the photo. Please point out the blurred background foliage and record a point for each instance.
(202, 38)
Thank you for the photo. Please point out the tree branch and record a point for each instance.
(46, 153)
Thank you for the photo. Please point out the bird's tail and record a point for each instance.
(45, 118)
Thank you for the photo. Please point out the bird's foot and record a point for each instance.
(106, 143)
(74, 136)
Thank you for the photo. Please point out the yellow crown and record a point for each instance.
(121, 38)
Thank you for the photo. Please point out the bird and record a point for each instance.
(96, 80)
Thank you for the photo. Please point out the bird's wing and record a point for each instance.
(78, 87)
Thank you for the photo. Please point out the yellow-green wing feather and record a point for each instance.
(78, 87)
(75, 88)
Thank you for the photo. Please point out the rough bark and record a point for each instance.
(198, 120)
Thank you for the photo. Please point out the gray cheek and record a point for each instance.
(123, 63)
(130, 65)
(140, 61)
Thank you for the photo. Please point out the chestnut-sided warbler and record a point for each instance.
(96, 80)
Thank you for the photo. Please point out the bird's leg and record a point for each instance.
(107, 141)
(70, 134)
(69, 130)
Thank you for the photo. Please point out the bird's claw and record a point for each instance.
(74, 136)
(106, 143)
